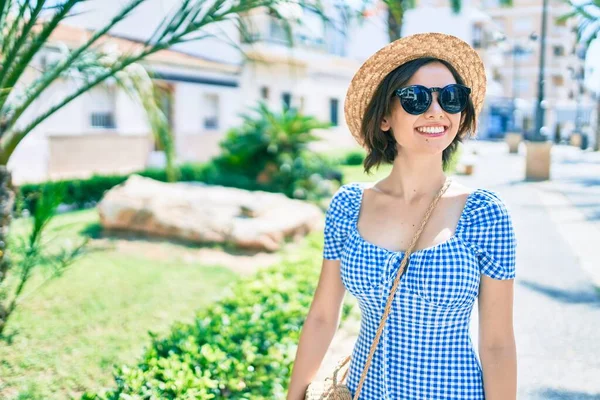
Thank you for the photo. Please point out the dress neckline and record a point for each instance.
(452, 238)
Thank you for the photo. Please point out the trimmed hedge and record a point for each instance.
(354, 157)
(85, 193)
(241, 347)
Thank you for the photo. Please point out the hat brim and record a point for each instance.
(445, 47)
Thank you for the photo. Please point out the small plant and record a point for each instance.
(31, 250)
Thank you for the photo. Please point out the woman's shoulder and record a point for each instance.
(346, 200)
(486, 199)
(349, 192)
(485, 207)
(487, 226)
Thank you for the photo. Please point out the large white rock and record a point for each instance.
(207, 214)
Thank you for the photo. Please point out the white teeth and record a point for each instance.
(431, 129)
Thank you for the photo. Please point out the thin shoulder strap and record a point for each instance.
(388, 305)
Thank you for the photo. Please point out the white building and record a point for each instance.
(519, 73)
(207, 84)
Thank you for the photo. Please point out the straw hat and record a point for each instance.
(445, 47)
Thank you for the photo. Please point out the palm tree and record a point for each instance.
(26, 28)
(588, 29)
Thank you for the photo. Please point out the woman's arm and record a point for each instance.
(317, 332)
(497, 349)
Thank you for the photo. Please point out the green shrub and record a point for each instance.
(269, 152)
(85, 193)
(355, 157)
(241, 347)
(452, 163)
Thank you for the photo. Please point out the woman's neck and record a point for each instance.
(414, 178)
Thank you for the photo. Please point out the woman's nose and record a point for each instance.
(434, 110)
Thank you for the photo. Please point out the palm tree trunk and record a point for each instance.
(7, 201)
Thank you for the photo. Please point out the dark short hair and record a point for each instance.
(381, 145)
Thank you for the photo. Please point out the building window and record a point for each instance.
(286, 99)
(477, 36)
(211, 111)
(524, 55)
(102, 107)
(264, 93)
(103, 120)
(558, 50)
(496, 75)
(333, 111)
(558, 80)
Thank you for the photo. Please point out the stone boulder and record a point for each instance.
(207, 214)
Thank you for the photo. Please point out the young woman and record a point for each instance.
(410, 105)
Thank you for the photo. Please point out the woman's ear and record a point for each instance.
(385, 124)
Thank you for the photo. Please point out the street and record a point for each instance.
(557, 309)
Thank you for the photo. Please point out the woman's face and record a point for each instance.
(410, 130)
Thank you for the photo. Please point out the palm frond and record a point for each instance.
(16, 38)
(137, 83)
(7, 38)
(27, 46)
(588, 20)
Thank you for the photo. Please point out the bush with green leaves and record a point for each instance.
(269, 151)
(354, 157)
(85, 193)
(241, 347)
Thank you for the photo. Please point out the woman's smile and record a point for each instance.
(432, 130)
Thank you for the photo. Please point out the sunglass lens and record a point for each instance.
(415, 99)
(453, 98)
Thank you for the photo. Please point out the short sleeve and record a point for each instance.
(491, 233)
(338, 220)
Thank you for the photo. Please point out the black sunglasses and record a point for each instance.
(416, 99)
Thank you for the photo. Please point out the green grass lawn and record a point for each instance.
(355, 173)
(69, 333)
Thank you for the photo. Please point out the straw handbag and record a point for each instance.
(334, 388)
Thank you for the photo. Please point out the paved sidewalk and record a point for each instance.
(557, 309)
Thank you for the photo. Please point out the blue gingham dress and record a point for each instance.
(425, 351)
